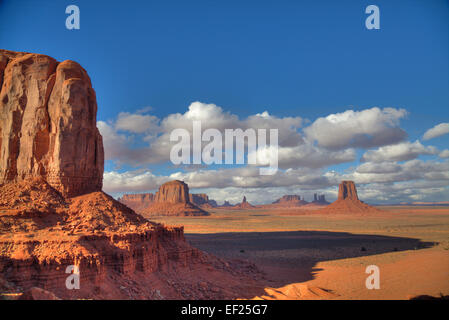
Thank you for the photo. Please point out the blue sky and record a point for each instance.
(305, 59)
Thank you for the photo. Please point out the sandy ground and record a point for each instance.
(310, 256)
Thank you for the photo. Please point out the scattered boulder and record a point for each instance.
(289, 201)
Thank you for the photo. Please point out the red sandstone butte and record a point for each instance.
(48, 123)
(53, 213)
(173, 199)
(348, 201)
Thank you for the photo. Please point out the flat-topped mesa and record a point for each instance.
(288, 201)
(48, 124)
(173, 199)
(173, 192)
(347, 190)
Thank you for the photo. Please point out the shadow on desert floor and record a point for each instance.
(292, 256)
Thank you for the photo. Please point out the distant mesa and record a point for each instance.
(172, 199)
(202, 200)
(348, 201)
(289, 201)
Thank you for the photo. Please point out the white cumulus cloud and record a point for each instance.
(437, 131)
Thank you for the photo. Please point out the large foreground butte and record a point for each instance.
(53, 214)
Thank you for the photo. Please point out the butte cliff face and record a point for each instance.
(173, 199)
(137, 202)
(54, 216)
(348, 201)
(48, 124)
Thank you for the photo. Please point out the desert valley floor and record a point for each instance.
(328, 254)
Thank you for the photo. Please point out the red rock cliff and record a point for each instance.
(48, 123)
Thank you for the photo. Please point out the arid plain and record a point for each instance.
(317, 256)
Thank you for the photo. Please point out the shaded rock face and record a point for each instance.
(288, 198)
(48, 124)
(347, 190)
(202, 199)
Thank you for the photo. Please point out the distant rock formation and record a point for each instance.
(289, 201)
(202, 200)
(244, 204)
(226, 204)
(348, 201)
(48, 124)
(137, 202)
(319, 199)
(173, 199)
